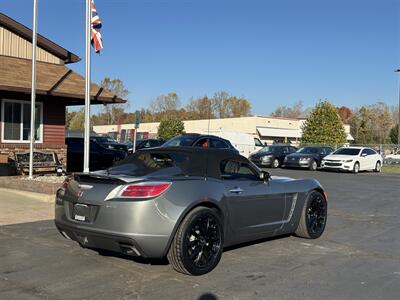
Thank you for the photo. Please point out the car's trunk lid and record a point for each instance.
(93, 187)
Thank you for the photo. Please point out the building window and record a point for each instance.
(15, 119)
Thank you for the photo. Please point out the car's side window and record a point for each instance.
(370, 152)
(257, 142)
(203, 143)
(214, 143)
(232, 169)
(364, 152)
(284, 150)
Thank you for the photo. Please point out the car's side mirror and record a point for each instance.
(265, 176)
(364, 154)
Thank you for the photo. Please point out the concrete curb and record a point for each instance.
(37, 196)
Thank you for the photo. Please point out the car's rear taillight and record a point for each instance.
(145, 190)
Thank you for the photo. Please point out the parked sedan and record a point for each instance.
(158, 203)
(393, 158)
(353, 159)
(272, 156)
(307, 157)
(99, 157)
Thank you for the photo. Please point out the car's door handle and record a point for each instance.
(236, 190)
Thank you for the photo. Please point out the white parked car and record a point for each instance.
(353, 159)
(245, 143)
(393, 158)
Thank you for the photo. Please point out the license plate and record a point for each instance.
(81, 212)
(80, 218)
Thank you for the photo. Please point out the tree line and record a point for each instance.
(220, 105)
(370, 124)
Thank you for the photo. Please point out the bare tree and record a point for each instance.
(113, 112)
(294, 111)
(165, 103)
(228, 106)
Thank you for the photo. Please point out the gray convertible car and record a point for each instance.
(186, 204)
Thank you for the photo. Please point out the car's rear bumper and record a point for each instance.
(134, 228)
(122, 242)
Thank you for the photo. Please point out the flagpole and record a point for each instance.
(33, 89)
(87, 89)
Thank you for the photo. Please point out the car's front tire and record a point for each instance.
(313, 165)
(197, 245)
(313, 216)
(356, 167)
(275, 163)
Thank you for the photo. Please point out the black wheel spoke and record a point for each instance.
(203, 241)
(316, 214)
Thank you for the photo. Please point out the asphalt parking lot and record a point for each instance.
(358, 257)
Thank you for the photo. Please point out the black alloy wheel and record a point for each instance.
(203, 241)
(198, 242)
(316, 215)
(313, 217)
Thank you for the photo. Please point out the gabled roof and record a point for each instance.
(51, 80)
(42, 42)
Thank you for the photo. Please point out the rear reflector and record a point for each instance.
(144, 190)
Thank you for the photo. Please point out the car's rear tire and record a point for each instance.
(275, 163)
(378, 167)
(313, 216)
(313, 165)
(197, 245)
(356, 167)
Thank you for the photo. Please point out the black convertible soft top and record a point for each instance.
(175, 161)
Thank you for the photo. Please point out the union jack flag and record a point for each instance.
(96, 40)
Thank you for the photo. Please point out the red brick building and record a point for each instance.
(57, 87)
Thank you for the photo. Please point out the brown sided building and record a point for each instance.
(57, 87)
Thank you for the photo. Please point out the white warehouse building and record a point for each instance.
(267, 129)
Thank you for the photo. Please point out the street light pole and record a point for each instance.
(398, 110)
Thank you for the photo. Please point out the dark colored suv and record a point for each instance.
(272, 156)
(99, 157)
(199, 140)
(109, 143)
(307, 157)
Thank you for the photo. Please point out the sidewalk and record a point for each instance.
(21, 207)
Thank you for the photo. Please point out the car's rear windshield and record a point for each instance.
(146, 163)
(184, 140)
(309, 150)
(347, 151)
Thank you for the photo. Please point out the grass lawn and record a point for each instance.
(391, 168)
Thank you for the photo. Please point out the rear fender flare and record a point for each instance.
(210, 203)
